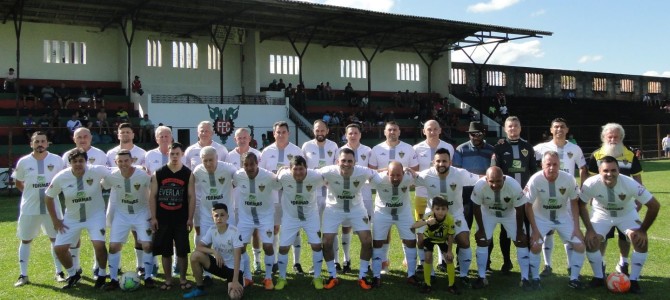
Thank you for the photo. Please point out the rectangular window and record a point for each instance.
(407, 72)
(599, 84)
(184, 55)
(154, 53)
(654, 87)
(353, 69)
(626, 85)
(213, 57)
(496, 78)
(458, 76)
(284, 64)
(534, 81)
(568, 82)
(64, 52)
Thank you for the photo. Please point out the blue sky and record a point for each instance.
(627, 37)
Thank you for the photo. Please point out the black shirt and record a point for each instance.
(172, 195)
(516, 159)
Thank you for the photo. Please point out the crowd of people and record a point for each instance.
(231, 198)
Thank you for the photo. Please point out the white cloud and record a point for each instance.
(538, 13)
(505, 54)
(590, 58)
(492, 5)
(657, 74)
(374, 5)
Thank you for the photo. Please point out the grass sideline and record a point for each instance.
(654, 282)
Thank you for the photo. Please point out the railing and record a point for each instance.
(240, 99)
(301, 122)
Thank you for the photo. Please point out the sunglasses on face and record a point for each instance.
(476, 134)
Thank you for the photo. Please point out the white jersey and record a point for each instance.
(255, 200)
(130, 196)
(223, 243)
(390, 199)
(569, 155)
(383, 154)
(500, 203)
(192, 154)
(96, 157)
(83, 195)
(299, 198)
(273, 158)
(211, 188)
(36, 176)
(344, 193)
(137, 153)
(155, 159)
(618, 201)
(551, 200)
(361, 154)
(235, 157)
(319, 156)
(450, 188)
(425, 155)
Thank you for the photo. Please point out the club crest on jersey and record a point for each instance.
(269, 233)
(458, 223)
(570, 154)
(102, 231)
(309, 187)
(356, 183)
(622, 196)
(453, 186)
(137, 186)
(562, 190)
(149, 232)
(365, 220)
(625, 161)
(404, 189)
(638, 222)
(89, 181)
(50, 167)
(289, 156)
(222, 180)
(261, 187)
(91, 160)
(524, 152)
(223, 120)
(401, 154)
(507, 199)
(134, 159)
(330, 152)
(363, 156)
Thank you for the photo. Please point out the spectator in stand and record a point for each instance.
(265, 140)
(319, 91)
(571, 139)
(98, 96)
(136, 86)
(29, 125)
(101, 126)
(414, 100)
(74, 122)
(146, 129)
(84, 115)
(328, 91)
(390, 117)
(406, 97)
(379, 116)
(349, 94)
(334, 120)
(63, 95)
(397, 98)
(288, 91)
(504, 113)
(281, 85)
(29, 95)
(273, 85)
(95, 134)
(101, 116)
(84, 96)
(326, 117)
(122, 115)
(665, 144)
(56, 126)
(48, 96)
(10, 81)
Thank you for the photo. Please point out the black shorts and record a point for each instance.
(171, 234)
(610, 234)
(428, 245)
(224, 271)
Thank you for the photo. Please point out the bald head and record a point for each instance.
(395, 172)
(495, 178)
(432, 130)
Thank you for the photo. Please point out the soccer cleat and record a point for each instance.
(419, 268)
(100, 282)
(622, 268)
(149, 283)
(635, 287)
(140, 272)
(196, 292)
(267, 283)
(331, 283)
(597, 282)
(442, 267)
(526, 285)
(110, 286)
(317, 283)
(346, 267)
(465, 282)
(248, 282)
(376, 282)
(412, 280)
(23, 280)
(207, 281)
(257, 268)
(425, 289)
(576, 284)
(480, 283)
(453, 290)
(364, 284)
(536, 284)
(506, 268)
(338, 267)
(60, 277)
(80, 271)
(297, 268)
(548, 271)
(95, 272)
(72, 281)
(281, 283)
(385, 267)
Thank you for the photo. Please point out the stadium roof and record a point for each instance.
(295, 21)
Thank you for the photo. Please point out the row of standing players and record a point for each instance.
(320, 153)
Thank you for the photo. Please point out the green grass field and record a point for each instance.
(654, 283)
